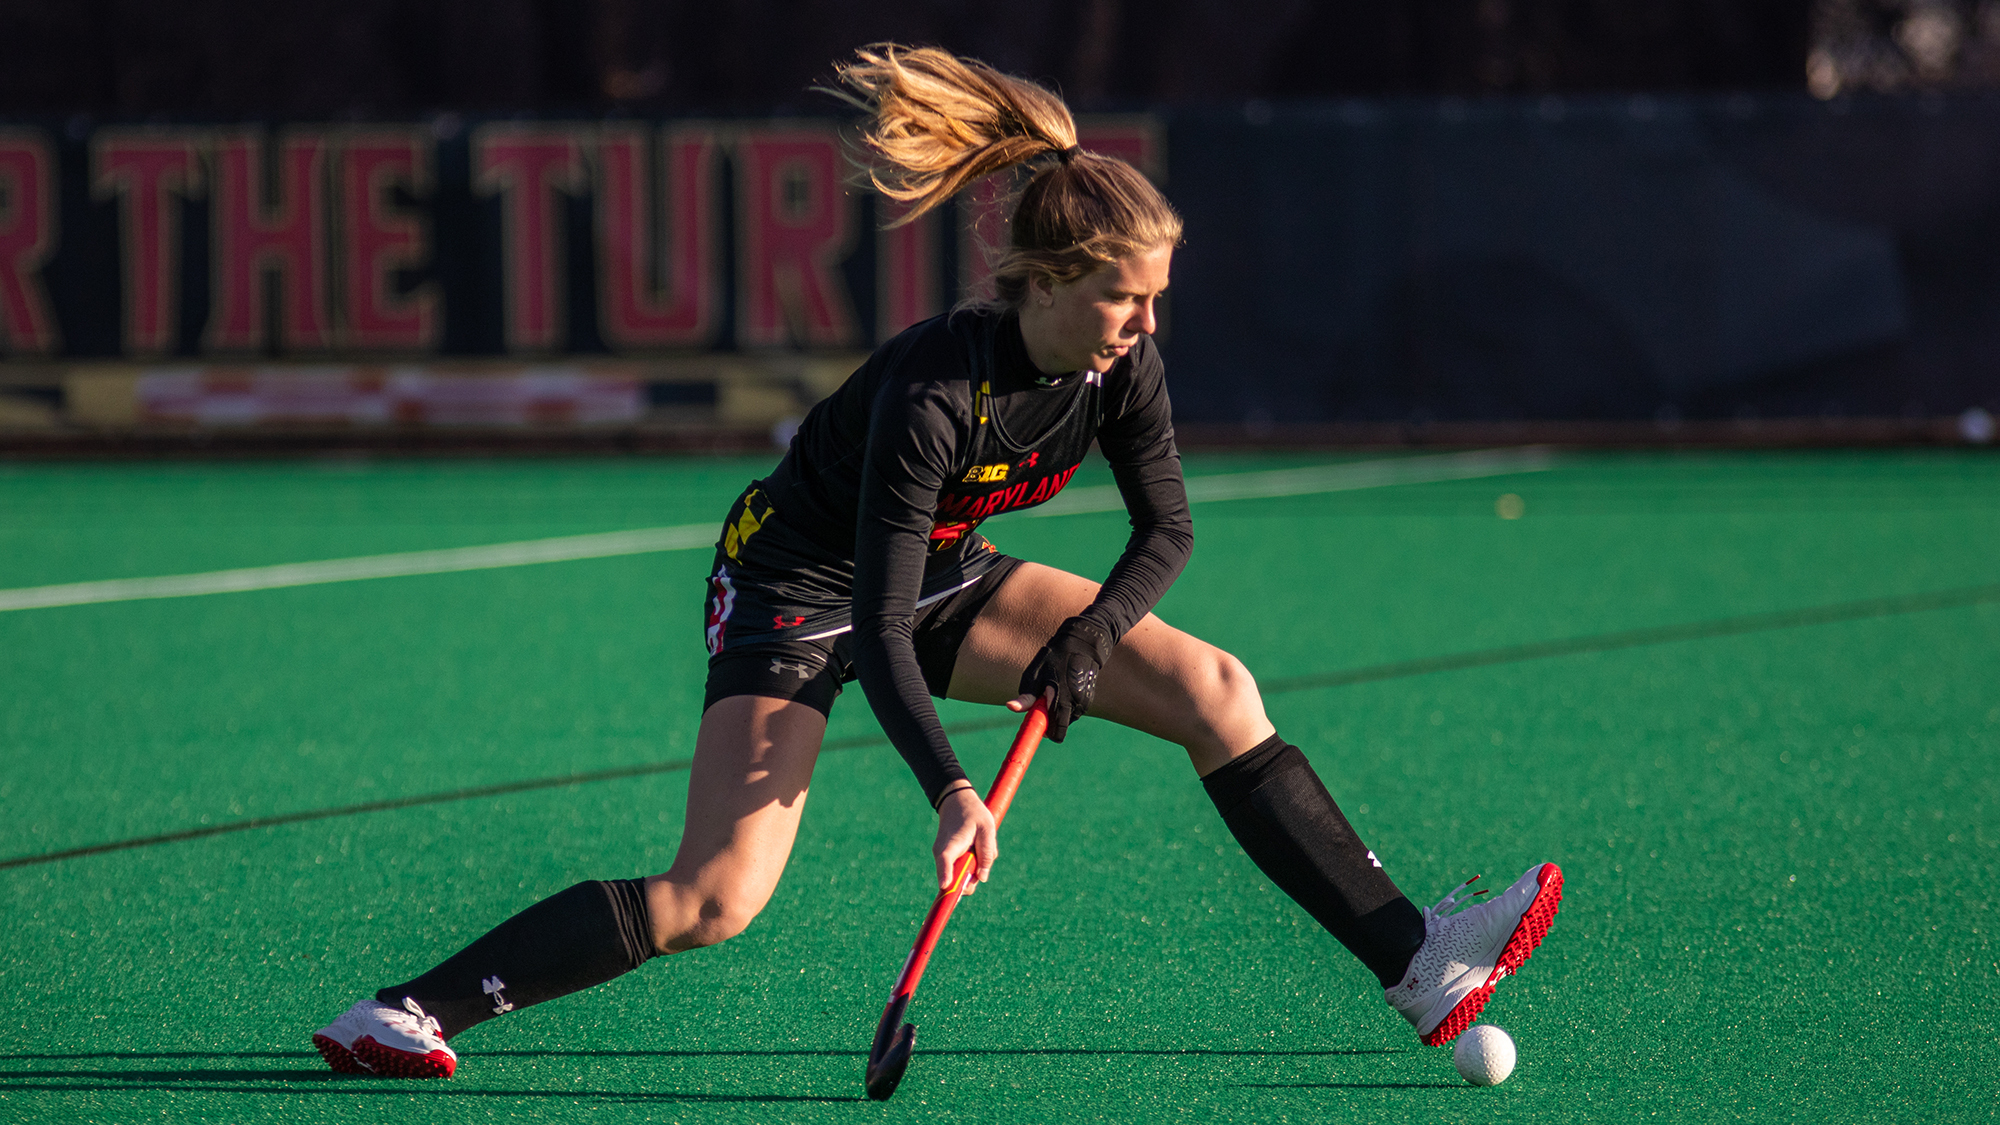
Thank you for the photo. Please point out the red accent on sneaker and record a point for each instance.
(1528, 933)
(339, 1057)
(392, 1063)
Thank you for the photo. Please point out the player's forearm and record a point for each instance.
(886, 664)
(888, 570)
(1162, 540)
(1153, 558)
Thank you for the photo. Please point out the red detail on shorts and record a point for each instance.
(392, 1063)
(338, 1056)
(1528, 934)
(783, 622)
(721, 602)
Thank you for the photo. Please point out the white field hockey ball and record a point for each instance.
(1484, 1054)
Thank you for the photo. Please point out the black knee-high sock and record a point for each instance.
(1287, 822)
(585, 935)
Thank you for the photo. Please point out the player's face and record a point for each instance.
(1089, 323)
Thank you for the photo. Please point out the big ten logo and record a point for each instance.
(986, 474)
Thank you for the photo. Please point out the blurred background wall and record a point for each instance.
(306, 58)
(1644, 213)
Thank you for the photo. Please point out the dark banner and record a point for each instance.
(1604, 258)
(1639, 258)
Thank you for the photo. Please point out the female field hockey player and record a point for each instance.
(859, 557)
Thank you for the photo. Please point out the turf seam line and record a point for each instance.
(1346, 477)
(1380, 473)
(498, 789)
(1539, 650)
(1635, 638)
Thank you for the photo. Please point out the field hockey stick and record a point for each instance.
(894, 1039)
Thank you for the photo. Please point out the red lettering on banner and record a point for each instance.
(380, 240)
(27, 239)
(633, 311)
(526, 165)
(1135, 140)
(150, 172)
(796, 226)
(254, 233)
(907, 271)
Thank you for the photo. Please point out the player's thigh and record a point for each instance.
(753, 763)
(1160, 679)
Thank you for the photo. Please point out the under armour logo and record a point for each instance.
(804, 671)
(1373, 860)
(784, 622)
(491, 986)
(1030, 462)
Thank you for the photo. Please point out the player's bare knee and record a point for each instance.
(690, 917)
(723, 918)
(1226, 704)
(1226, 687)
(716, 919)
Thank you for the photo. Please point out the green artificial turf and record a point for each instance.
(1778, 829)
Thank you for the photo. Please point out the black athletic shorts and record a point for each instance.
(778, 615)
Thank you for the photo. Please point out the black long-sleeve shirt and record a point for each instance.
(948, 424)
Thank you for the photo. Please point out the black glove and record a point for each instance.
(1068, 663)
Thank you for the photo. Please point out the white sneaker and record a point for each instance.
(374, 1038)
(1465, 954)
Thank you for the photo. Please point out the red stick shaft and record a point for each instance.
(997, 799)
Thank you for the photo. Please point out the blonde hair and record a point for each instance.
(937, 122)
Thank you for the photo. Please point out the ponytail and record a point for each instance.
(937, 122)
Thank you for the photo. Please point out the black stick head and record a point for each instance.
(887, 1070)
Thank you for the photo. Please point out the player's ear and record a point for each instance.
(1042, 289)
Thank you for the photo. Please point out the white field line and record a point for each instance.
(1234, 486)
(1321, 478)
(445, 561)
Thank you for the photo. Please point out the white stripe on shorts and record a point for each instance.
(921, 603)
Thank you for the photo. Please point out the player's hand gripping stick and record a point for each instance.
(894, 1039)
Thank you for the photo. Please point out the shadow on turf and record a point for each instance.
(161, 1055)
(330, 1083)
(1085, 1051)
(1348, 1085)
(10, 1079)
(319, 1081)
(1166, 1052)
